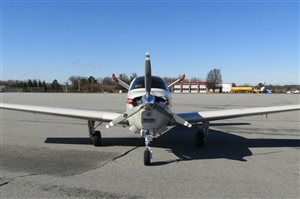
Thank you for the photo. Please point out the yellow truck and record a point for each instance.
(242, 89)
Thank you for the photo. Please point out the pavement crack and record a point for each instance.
(114, 159)
(120, 156)
(126, 152)
(14, 178)
(5, 183)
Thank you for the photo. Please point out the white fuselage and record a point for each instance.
(147, 118)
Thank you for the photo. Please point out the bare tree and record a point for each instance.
(107, 81)
(195, 79)
(124, 78)
(132, 77)
(74, 82)
(214, 78)
(170, 79)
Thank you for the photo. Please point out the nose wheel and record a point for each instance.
(147, 157)
(148, 152)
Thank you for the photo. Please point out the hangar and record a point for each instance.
(200, 87)
(190, 87)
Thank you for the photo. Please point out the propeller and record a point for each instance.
(177, 118)
(125, 115)
(147, 75)
(148, 101)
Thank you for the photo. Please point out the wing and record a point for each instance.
(65, 112)
(194, 117)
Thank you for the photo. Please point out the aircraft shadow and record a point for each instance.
(106, 141)
(121, 141)
(181, 142)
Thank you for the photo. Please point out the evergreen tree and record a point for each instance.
(29, 83)
(55, 86)
(34, 83)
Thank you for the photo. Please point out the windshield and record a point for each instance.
(157, 82)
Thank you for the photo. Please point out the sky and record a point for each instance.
(249, 41)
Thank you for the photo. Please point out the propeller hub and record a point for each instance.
(148, 99)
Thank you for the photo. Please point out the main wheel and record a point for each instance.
(200, 139)
(147, 157)
(97, 138)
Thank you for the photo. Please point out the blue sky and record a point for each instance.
(250, 41)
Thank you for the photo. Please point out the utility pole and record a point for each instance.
(78, 85)
(66, 86)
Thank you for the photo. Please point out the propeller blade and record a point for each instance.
(147, 74)
(125, 116)
(177, 118)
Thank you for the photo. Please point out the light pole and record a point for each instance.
(66, 86)
(79, 85)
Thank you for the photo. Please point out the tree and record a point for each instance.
(92, 81)
(55, 86)
(213, 79)
(170, 79)
(44, 85)
(29, 83)
(196, 79)
(40, 84)
(74, 82)
(34, 83)
(107, 81)
(124, 77)
(132, 77)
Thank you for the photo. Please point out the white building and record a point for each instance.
(226, 87)
(190, 87)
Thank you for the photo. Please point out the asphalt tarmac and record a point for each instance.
(52, 157)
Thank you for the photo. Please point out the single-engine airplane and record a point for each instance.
(148, 111)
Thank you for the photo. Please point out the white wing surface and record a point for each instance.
(65, 112)
(194, 117)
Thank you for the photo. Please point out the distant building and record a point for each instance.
(2, 88)
(190, 87)
(226, 87)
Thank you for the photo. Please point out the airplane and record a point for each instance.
(148, 111)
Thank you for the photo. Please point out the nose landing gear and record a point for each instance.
(148, 135)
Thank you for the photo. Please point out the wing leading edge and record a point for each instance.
(194, 117)
(65, 112)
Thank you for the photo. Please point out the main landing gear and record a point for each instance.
(94, 135)
(202, 134)
(148, 135)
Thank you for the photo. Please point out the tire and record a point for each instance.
(200, 139)
(147, 157)
(97, 138)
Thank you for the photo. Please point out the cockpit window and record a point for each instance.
(156, 82)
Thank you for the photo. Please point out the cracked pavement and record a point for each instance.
(52, 157)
